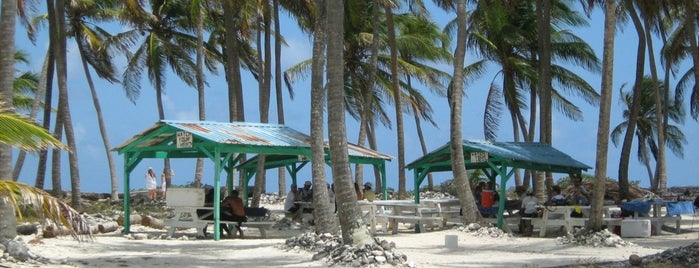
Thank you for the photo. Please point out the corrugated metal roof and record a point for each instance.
(243, 133)
(533, 152)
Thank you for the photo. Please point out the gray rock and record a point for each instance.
(18, 250)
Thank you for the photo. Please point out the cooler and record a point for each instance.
(635, 228)
(487, 198)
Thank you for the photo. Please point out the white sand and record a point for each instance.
(423, 249)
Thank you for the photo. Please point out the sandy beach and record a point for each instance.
(425, 249)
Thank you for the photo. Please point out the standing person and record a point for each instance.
(164, 178)
(151, 178)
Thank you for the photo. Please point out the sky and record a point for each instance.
(125, 119)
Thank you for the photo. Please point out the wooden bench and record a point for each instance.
(186, 201)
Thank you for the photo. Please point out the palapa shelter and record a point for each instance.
(497, 159)
(225, 143)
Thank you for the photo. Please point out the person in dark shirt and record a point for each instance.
(233, 209)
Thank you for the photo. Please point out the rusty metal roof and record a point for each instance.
(241, 133)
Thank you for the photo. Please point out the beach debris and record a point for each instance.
(488, 230)
(13, 251)
(330, 247)
(584, 237)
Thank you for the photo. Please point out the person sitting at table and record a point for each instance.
(529, 210)
(578, 194)
(557, 199)
(233, 209)
(290, 205)
(369, 194)
(307, 192)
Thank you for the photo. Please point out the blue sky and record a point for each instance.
(125, 119)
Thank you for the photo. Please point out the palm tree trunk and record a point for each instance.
(326, 222)
(595, 222)
(36, 106)
(660, 169)
(201, 100)
(397, 99)
(43, 154)
(7, 69)
(544, 84)
(468, 203)
(58, 128)
(103, 130)
(635, 107)
(62, 71)
(368, 91)
(278, 84)
(354, 231)
(694, 48)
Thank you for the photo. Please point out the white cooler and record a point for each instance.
(635, 228)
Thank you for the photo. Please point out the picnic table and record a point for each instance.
(393, 212)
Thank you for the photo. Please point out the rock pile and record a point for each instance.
(15, 251)
(589, 238)
(476, 229)
(687, 256)
(330, 248)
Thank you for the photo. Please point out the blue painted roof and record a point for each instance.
(518, 152)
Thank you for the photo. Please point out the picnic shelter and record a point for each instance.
(225, 143)
(496, 159)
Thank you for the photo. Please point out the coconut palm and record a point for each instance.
(164, 45)
(58, 39)
(597, 203)
(91, 40)
(468, 203)
(645, 132)
(354, 232)
(326, 221)
(8, 11)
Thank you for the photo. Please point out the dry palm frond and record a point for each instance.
(48, 207)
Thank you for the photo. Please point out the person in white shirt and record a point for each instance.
(291, 198)
(151, 178)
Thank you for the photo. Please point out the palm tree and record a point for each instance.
(635, 103)
(646, 126)
(93, 52)
(164, 45)
(354, 232)
(468, 203)
(596, 222)
(504, 33)
(59, 38)
(8, 10)
(398, 103)
(326, 221)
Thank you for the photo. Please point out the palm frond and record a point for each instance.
(19, 132)
(54, 210)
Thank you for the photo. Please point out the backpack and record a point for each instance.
(256, 212)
